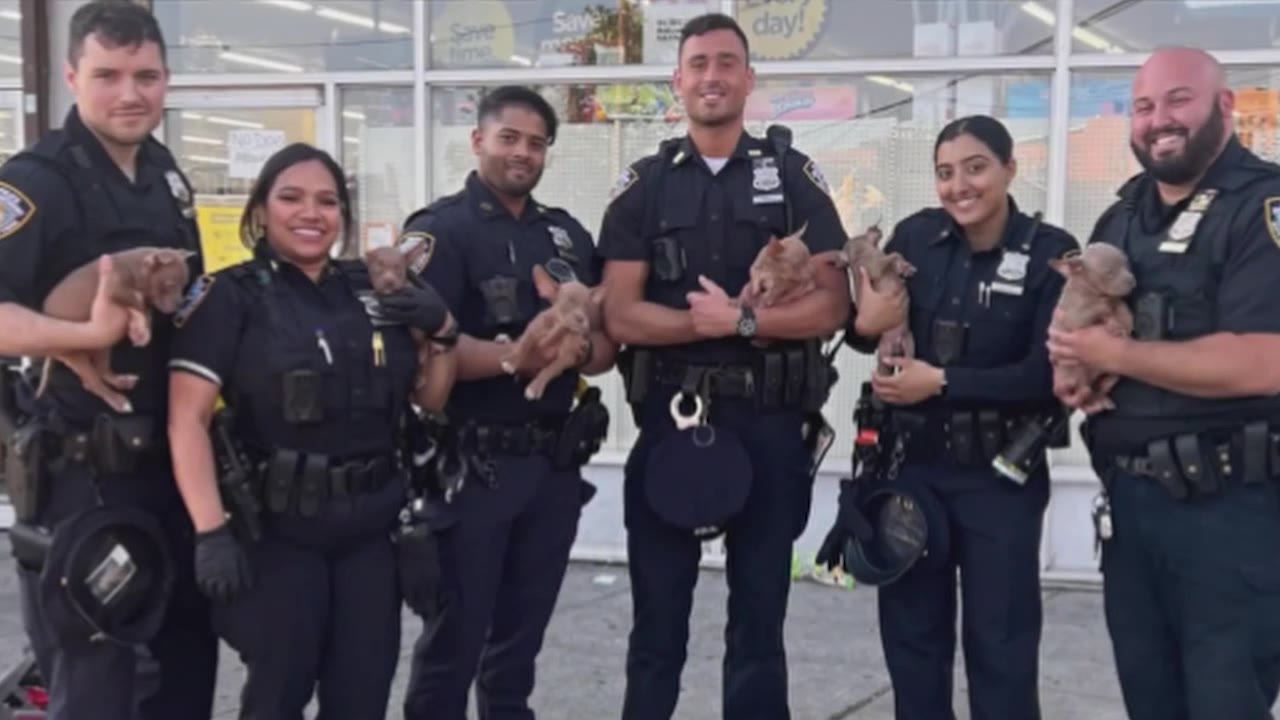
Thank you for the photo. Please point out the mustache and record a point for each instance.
(1150, 137)
(712, 87)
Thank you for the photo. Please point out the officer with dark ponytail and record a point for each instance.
(980, 302)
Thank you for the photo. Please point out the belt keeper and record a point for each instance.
(795, 376)
(315, 471)
(773, 372)
(962, 437)
(1165, 470)
(991, 432)
(1194, 467)
(1254, 453)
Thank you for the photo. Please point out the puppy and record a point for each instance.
(388, 272)
(574, 314)
(145, 278)
(781, 272)
(1098, 280)
(887, 273)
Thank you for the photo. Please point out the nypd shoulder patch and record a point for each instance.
(196, 294)
(1271, 210)
(626, 179)
(814, 173)
(16, 210)
(417, 247)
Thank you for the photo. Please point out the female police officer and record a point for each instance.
(318, 388)
(979, 309)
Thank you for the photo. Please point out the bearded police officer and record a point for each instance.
(1190, 519)
(100, 184)
(720, 391)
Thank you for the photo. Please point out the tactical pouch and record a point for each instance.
(668, 259)
(639, 375)
(24, 470)
(773, 377)
(990, 434)
(1192, 461)
(962, 436)
(314, 486)
(1165, 469)
(1254, 451)
(279, 485)
(795, 377)
(302, 395)
(119, 441)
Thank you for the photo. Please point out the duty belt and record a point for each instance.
(302, 482)
(1197, 462)
(737, 381)
(537, 438)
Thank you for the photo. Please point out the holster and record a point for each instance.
(636, 366)
(30, 545)
(583, 431)
(25, 464)
(1164, 468)
(119, 441)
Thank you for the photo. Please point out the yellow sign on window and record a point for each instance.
(220, 236)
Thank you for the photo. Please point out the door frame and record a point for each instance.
(303, 97)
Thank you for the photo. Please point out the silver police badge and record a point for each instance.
(765, 175)
(1013, 266)
(179, 190)
(1180, 234)
(560, 237)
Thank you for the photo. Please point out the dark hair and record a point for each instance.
(497, 100)
(704, 24)
(117, 23)
(986, 129)
(283, 159)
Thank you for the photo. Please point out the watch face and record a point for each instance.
(746, 326)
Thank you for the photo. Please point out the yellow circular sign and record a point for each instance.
(781, 29)
(476, 33)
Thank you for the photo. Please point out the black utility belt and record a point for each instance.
(1203, 463)
(536, 438)
(969, 438)
(797, 377)
(114, 446)
(294, 482)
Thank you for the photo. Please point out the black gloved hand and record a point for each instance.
(222, 570)
(417, 305)
(850, 522)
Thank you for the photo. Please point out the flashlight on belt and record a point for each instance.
(1024, 453)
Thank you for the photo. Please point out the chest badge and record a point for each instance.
(1184, 227)
(765, 180)
(564, 243)
(1011, 273)
(180, 192)
(1272, 210)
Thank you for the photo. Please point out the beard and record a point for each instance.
(500, 180)
(1199, 150)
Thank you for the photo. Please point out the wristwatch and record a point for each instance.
(747, 322)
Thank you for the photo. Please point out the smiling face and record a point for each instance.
(972, 183)
(119, 89)
(302, 214)
(1181, 115)
(511, 146)
(714, 79)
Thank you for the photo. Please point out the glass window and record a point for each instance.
(10, 41)
(872, 136)
(231, 36)
(830, 29)
(548, 33)
(1141, 26)
(377, 142)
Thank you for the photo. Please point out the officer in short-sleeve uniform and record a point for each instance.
(515, 516)
(983, 318)
(1192, 581)
(673, 211)
(62, 204)
(318, 392)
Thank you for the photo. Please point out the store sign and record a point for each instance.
(247, 150)
(782, 29)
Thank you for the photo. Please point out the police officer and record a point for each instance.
(1190, 519)
(980, 303)
(513, 515)
(678, 238)
(103, 184)
(319, 387)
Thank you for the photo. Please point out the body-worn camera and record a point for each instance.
(1150, 317)
(668, 259)
(500, 301)
(303, 395)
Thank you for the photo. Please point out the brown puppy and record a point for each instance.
(887, 274)
(389, 272)
(781, 272)
(1098, 280)
(574, 314)
(145, 278)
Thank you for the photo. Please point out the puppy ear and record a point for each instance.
(774, 247)
(545, 284)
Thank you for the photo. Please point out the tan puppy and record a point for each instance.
(389, 272)
(574, 314)
(1098, 280)
(780, 273)
(887, 274)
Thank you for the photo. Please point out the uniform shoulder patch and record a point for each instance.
(16, 209)
(1271, 210)
(417, 247)
(626, 179)
(814, 173)
(196, 294)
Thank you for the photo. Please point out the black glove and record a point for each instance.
(849, 523)
(417, 305)
(222, 570)
(418, 555)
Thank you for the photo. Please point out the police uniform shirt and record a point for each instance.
(1001, 301)
(1227, 273)
(719, 222)
(51, 224)
(471, 240)
(250, 326)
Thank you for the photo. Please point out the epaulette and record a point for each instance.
(434, 206)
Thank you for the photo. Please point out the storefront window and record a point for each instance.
(550, 33)
(871, 136)
(377, 144)
(231, 36)
(1142, 26)
(10, 41)
(832, 29)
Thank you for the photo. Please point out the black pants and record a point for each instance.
(503, 563)
(173, 676)
(995, 529)
(1192, 592)
(323, 615)
(663, 564)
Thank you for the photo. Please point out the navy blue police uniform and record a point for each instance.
(65, 202)
(983, 317)
(513, 519)
(1191, 577)
(318, 389)
(673, 212)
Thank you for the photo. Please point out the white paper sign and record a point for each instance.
(662, 25)
(247, 150)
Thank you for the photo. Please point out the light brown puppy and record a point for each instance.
(780, 273)
(1098, 280)
(145, 278)
(887, 274)
(389, 272)
(574, 314)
